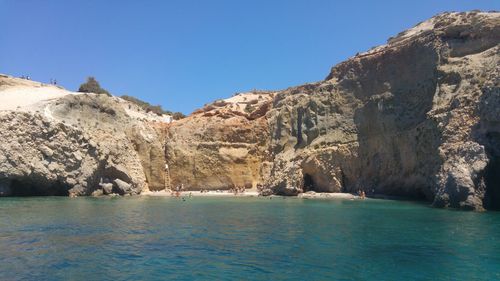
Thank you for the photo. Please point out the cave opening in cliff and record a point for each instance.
(28, 188)
(491, 174)
(308, 183)
(492, 180)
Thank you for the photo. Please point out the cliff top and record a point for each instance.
(439, 23)
(19, 94)
(465, 32)
(26, 95)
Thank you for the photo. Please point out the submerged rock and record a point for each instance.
(97, 193)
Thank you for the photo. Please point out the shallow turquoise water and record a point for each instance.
(243, 239)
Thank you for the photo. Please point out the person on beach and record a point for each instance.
(177, 193)
(361, 194)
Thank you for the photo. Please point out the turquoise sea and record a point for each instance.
(140, 238)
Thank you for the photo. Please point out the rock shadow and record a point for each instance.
(398, 144)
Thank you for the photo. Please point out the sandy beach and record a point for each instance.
(251, 193)
(325, 195)
(211, 193)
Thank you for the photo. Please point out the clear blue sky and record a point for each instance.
(183, 54)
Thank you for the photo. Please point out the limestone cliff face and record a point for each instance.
(416, 117)
(221, 146)
(75, 144)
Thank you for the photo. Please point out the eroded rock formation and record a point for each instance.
(76, 144)
(222, 146)
(417, 117)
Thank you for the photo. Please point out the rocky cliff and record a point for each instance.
(407, 118)
(418, 117)
(222, 146)
(56, 142)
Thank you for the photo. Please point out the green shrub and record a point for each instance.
(157, 109)
(178, 115)
(92, 86)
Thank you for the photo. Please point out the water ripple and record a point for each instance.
(243, 238)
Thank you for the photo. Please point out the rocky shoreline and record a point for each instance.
(418, 117)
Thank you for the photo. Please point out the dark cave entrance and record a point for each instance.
(491, 199)
(309, 183)
(28, 188)
(492, 180)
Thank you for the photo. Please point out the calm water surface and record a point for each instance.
(243, 239)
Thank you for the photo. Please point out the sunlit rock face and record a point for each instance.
(416, 117)
(56, 142)
(221, 146)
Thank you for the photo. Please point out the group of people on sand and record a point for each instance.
(235, 190)
(238, 189)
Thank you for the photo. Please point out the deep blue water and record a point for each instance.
(138, 238)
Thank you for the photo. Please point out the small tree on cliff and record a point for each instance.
(92, 86)
(178, 115)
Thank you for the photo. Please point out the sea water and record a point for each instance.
(146, 238)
